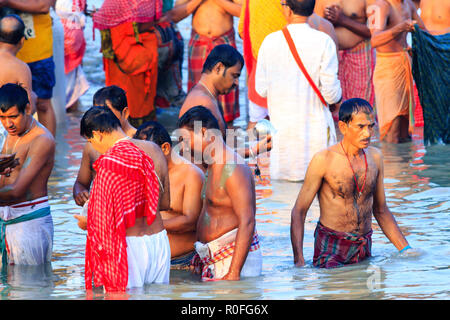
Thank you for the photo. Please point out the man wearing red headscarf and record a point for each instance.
(130, 52)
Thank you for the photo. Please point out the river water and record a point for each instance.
(417, 181)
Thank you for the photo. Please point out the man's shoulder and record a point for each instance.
(191, 172)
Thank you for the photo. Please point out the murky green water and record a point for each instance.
(417, 181)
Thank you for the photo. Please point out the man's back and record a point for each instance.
(15, 71)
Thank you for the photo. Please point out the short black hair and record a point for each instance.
(352, 106)
(15, 32)
(13, 95)
(303, 8)
(198, 113)
(114, 94)
(99, 118)
(153, 131)
(225, 54)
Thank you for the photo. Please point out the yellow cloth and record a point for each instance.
(39, 37)
(266, 16)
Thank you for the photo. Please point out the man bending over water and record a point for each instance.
(348, 178)
(186, 182)
(228, 244)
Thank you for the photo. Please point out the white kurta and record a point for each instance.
(305, 126)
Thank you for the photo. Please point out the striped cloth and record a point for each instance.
(335, 249)
(125, 188)
(356, 67)
(431, 62)
(199, 49)
(219, 255)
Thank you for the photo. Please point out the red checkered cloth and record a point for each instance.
(223, 253)
(356, 66)
(115, 12)
(335, 249)
(199, 49)
(125, 188)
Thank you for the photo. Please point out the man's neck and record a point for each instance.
(298, 19)
(128, 128)
(208, 86)
(8, 48)
(350, 149)
(115, 137)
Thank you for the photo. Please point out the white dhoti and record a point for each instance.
(148, 259)
(216, 257)
(29, 242)
(76, 85)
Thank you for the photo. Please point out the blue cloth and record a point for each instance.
(43, 77)
(430, 67)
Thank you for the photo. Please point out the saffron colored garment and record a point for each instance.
(199, 48)
(304, 125)
(356, 67)
(393, 83)
(258, 19)
(335, 249)
(125, 188)
(215, 257)
(30, 240)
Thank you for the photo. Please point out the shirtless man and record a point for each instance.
(220, 75)
(14, 70)
(24, 207)
(356, 56)
(186, 183)
(389, 22)
(115, 98)
(435, 15)
(227, 221)
(348, 179)
(212, 24)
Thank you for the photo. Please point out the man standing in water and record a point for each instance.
(348, 179)
(228, 245)
(186, 183)
(25, 220)
(127, 245)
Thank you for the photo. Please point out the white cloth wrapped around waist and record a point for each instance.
(217, 255)
(29, 242)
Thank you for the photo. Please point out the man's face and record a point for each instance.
(13, 121)
(360, 129)
(229, 78)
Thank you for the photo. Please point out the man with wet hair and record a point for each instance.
(127, 245)
(13, 69)
(25, 220)
(228, 244)
(348, 180)
(186, 183)
(115, 98)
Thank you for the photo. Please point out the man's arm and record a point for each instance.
(41, 151)
(192, 205)
(162, 171)
(377, 17)
(311, 185)
(31, 6)
(338, 18)
(382, 213)
(232, 7)
(415, 16)
(328, 78)
(241, 191)
(182, 9)
(83, 182)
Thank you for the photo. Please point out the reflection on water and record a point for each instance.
(417, 182)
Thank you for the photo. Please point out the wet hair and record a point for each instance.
(114, 94)
(98, 118)
(153, 131)
(352, 106)
(198, 113)
(13, 95)
(13, 33)
(303, 8)
(225, 54)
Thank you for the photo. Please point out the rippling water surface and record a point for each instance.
(417, 181)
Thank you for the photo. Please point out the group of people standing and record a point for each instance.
(152, 205)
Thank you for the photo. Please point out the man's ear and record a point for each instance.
(97, 135)
(218, 68)
(343, 127)
(28, 109)
(126, 113)
(166, 148)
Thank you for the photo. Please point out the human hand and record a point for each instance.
(411, 253)
(231, 276)
(264, 145)
(82, 221)
(407, 25)
(82, 197)
(333, 14)
(7, 163)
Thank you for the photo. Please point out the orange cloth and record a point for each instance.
(258, 19)
(393, 83)
(135, 68)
